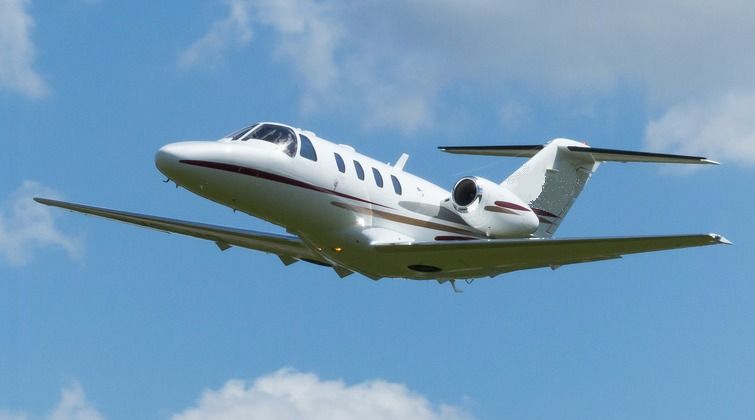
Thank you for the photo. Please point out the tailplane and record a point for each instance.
(555, 174)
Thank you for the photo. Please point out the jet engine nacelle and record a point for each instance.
(492, 209)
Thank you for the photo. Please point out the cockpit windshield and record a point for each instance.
(277, 134)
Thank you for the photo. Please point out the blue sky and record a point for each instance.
(103, 320)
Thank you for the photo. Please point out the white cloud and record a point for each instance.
(73, 405)
(285, 394)
(336, 70)
(392, 60)
(309, 38)
(17, 51)
(569, 47)
(288, 394)
(232, 31)
(722, 129)
(26, 226)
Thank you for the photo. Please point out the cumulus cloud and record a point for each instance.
(73, 405)
(26, 226)
(232, 31)
(285, 394)
(17, 51)
(722, 128)
(288, 394)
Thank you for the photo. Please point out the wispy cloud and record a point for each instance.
(722, 128)
(17, 51)
(288, 394)
(232, 31)
(73, 405)
(309, 37)
(393, 60)
(26, 226)
(11, 415)
(335, 68)
(513, 114)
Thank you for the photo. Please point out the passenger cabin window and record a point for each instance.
(396, 185)
(307, 150)
(378, 177)
(282, 136)
(340, 163)
(359, 169)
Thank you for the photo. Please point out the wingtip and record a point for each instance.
(721, 239)
(50, 202)
(709, 161)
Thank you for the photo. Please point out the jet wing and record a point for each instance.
(285, 246)
(479, 258)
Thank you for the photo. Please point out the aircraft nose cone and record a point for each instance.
(167, 157)
(176, 160)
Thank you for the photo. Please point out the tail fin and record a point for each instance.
(550, 182)
(554, 176)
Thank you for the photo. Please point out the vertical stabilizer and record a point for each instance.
(550, 182)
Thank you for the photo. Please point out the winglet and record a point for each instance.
(401, 161)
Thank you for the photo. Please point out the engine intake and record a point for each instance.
(492, 209)
(465, 192)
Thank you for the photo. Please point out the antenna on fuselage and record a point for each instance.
(401, 162)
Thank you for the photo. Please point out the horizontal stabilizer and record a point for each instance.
(612, 155)
(510, 151)
(596, 154)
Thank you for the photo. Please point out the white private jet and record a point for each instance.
(350, 212)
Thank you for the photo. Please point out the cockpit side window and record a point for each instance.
(283, 136)
(240, 133)
(307, 150)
